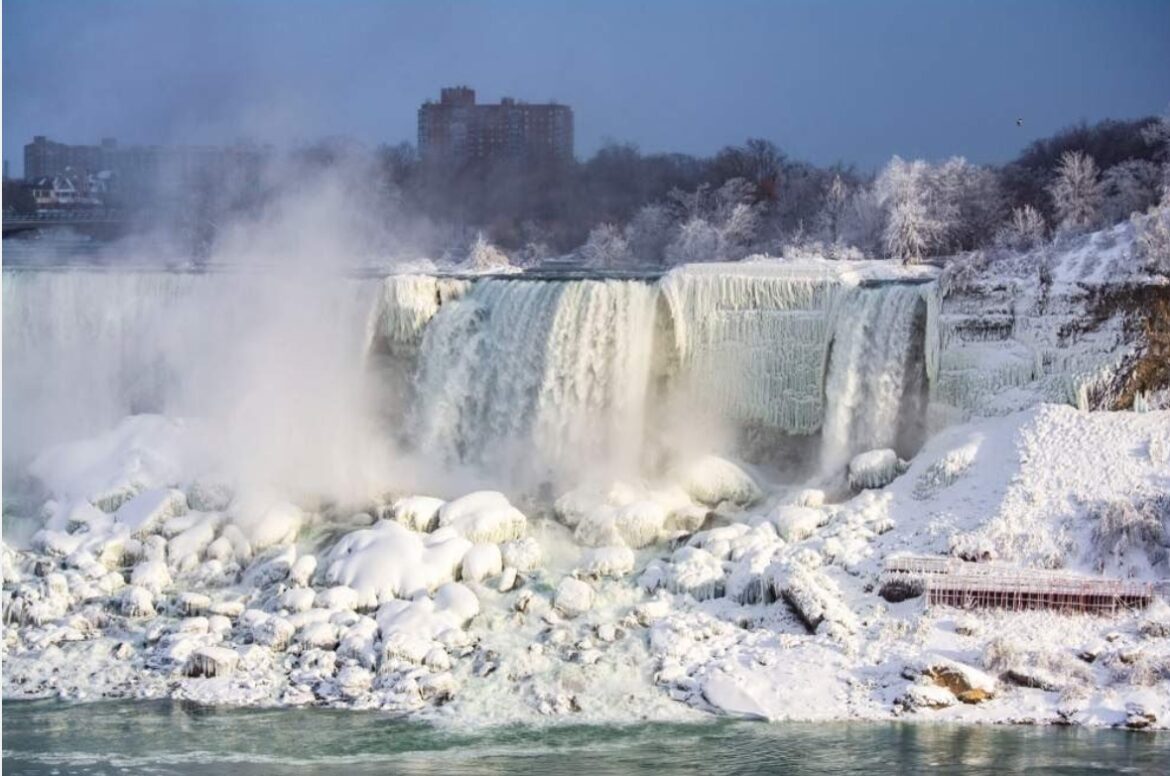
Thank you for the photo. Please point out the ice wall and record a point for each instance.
(752, 339)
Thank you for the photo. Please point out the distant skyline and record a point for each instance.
(826, 81)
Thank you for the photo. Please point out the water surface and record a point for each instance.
(163, 737)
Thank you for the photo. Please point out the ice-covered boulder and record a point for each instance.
(522, 554)
(338, 597)
(482, 561)
(969, 685)
(185, 548)
(136, 602)
(151, 575)
(485, 516)
(814, 598)
(616, 561)
(146, 512)
(192, 604)
(390, 561)
(297, 599)
(273, 632)
(211, 662)
(301, 572)
(573, 597)
(875, 469)
(711, 480)
(694, 572)
(267, 522)
(418, 513)
(641, 523)
(794, 524)
(428, 618)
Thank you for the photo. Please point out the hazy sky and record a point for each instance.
(827, 81)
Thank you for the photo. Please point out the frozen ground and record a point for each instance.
(708, 592)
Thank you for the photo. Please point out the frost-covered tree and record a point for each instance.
(483, 256)
(833, 212)
(1152, 237)
(648, 234)
(606, 248)
(862, 222)
(1076, 192)
(910, 231)
(696, 241)
(533, 252)
(966, 202)
(1024, 230)
(914, 225)
(1130, 187)
(1158, 136)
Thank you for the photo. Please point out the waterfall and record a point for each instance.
(870, 369)
(536, 376)
(526, 381)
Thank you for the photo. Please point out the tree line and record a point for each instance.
(624, 208)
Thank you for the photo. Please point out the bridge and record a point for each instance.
(96, 222)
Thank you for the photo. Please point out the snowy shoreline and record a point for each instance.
(612, 632)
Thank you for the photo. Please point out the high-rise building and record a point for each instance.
(456, 129)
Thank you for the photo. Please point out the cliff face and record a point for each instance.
(1144, 378)
(1075, 323)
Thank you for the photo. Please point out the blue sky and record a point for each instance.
(827, 81)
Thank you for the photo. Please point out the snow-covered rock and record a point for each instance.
(573, 597)
(874, 469)
(145, 513)
(212, 661)
(390, 561)
(616, 561)
(711, 480)
(484, 516)
(482, 561)
(418, 513)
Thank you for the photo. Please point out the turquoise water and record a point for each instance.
(175, 738)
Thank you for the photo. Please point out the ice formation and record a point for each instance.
(670, 581)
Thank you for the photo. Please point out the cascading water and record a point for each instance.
(526, 381)
(536, 376)
(870, 368)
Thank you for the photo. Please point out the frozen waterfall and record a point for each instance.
(537, 376)
(524, 380)
(537, 379)
(876, 335)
